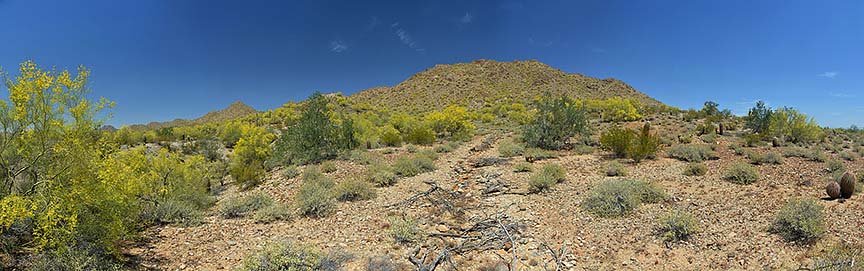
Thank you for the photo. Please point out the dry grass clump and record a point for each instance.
(614, 198)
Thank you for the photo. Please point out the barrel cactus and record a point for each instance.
(847, 185)
(833, 190)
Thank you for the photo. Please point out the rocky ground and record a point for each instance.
(546, 228)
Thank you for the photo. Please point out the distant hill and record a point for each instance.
(473, 84)
(234, 111)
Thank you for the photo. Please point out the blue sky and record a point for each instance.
(161, 60)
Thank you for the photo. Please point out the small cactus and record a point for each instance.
(847, 185)
(775, 142)
(833, 190)
(720, 129)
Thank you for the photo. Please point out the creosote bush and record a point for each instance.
(800, 220)
(403, 229)
(548, 176)
(410, 166)
(691, 153)
(614, 198)
(315, 197)
(328, 167)
(508, 148)
(243, 205)
(676, 226)
(741, 173)
(380, 174)
(772, 158)
(285, 255)
(523, 167)
(271, 213)
(354, 190)
(696, 169)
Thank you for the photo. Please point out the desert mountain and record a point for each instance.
(473, 84)
(236, 110)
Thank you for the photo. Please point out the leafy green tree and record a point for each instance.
(556, 120)
(792, 126)
(250, 154)
(315, 136)
(759, 118)
(453, 122)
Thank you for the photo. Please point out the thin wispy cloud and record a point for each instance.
(468, 18)
(405, 38)
(829, 74)
(338, 46)
(841, 95)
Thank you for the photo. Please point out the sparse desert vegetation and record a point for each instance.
(341, 182)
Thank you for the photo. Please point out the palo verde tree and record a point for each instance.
(317, 135)
(556, 120)
(759, 118)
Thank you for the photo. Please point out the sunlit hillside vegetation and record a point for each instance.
(74, 196)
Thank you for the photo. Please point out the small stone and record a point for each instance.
(442, 228)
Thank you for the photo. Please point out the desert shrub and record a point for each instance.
(523, 167)
(354, 190)
(839, 257)
(583, 149)
(848, 156)
(229, 133)
(741, 173)
(644, 145)
(835, 166)
(175, 212)
(328, 166)
(548, 176)
(383, 263)
(613, 198)
(242, 205)
(271, 213)
(290, 172)
(411, 148)
(535, 154)
(380, 175)
(315, 197)
(691, 153)
(444, 148)
(414, 165)
(73, 259)
(403, 229)
(767, 158)
(792, 126)
(696, 169)
(617, 140)
(285, 255)
(390, 136)
(362, 157)
(315, 136)
(676, 226)
(615, 109)
(452, 122)
(508, 148)
(210, 149)
(556, 120)
(428, 154)
(250, 154)
(800, 220)
(615, 169)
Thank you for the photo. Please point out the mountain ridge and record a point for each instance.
(235, 110)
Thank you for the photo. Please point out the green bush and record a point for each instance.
(614, 198)
(243, 205)
(767, 158)
(839, 257)
(800, 220)
(362, 157)
(523, 167)
(73, 259)
(835, 166)
(741, 173)
(548, 176)
(696, 169)
(556, 120)
(617, 140)
(403, 229)
(534, 154)
(848, 156)
(615, 169)
(445, 148)
(315, 197)
(676, 226)
(758, 119)
(288, 256)
(380, 175)
(413, 165)
(175, 212)
(583, 149)
(354, 190)
(508, 148)
(272, 213)
(411, 148)
(789, 125)
(692, 153)
(290, 172)
(328, 166)
(644, 145)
